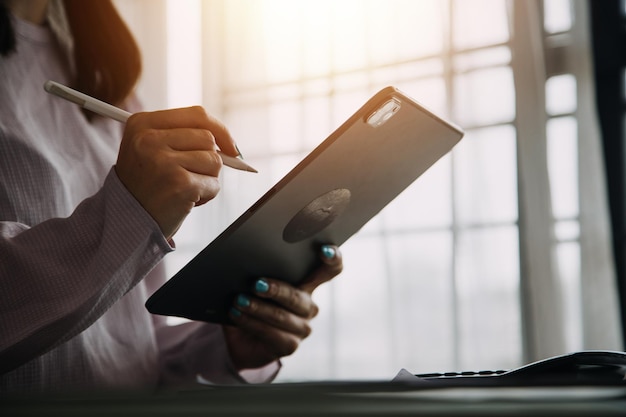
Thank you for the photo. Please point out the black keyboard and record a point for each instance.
(460, 374)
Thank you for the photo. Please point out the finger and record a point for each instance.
(189, 117)
(273, 315)
(332, 265)
(280, 342)
(287, 296)
(185, 139)
(207, 163)
(202, 188)
(183, 185)
(194, 149)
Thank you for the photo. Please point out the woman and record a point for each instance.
(85, 220)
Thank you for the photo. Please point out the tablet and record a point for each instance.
(331, 194)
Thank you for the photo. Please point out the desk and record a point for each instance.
(332, 399)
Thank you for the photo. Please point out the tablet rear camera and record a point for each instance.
(384, 113)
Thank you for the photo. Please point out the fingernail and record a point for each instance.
(243, 301)
(328, 252)
(238, 151)
(262, 286)
(234, 312)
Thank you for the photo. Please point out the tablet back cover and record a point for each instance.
(325, 199)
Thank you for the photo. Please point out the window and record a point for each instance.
(445, 277)
(420, 288)
(562, 143)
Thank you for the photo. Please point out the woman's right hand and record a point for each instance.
(168, 161)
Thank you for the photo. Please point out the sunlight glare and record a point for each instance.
(320, 38)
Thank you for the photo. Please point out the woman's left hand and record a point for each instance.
(272, 323)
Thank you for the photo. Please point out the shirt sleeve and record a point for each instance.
(195, 351)
(61, 275)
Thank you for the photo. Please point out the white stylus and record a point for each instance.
(107, 110)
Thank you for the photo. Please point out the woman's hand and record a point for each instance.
(272, 323)
(168, 161)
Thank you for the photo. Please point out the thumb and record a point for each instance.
(332, 265)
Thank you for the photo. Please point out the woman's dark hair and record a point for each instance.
(106, 56)
(7, 37)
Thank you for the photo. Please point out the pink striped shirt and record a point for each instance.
(78, 254)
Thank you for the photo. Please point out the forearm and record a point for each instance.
(197, 351)
(60, 276)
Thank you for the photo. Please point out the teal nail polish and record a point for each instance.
(262, 286)
(234, 312)
(328, 252)
(243, 301)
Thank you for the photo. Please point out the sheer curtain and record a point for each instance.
(496, 256)
(569, 280)
(564, 132)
